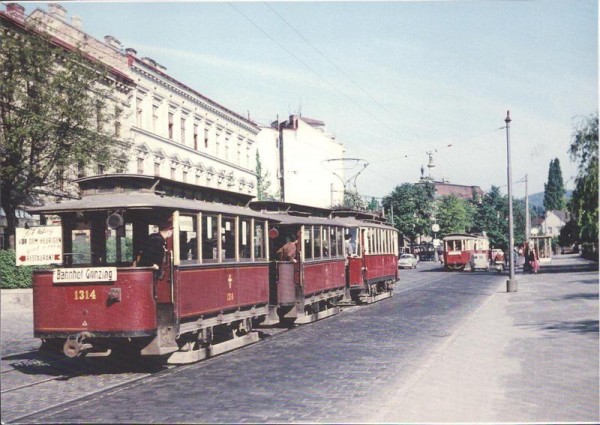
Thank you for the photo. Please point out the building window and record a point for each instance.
(154, 118)
(185, 176)
(196, 136)
(183, 131)
(170, 126)
(138, 113)
(157, 169)
(206, 138)
(173, 170)
(140, 165)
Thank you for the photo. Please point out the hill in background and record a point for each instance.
(537, 199)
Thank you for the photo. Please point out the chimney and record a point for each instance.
(112, 42)
(57, 11)
(77, 23)
(16, 12)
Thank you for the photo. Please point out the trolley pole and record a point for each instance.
(511, 283)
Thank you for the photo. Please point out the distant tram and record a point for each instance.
(460, 247)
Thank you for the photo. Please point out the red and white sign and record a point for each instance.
(39, 245)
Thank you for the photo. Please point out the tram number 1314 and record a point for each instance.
(81, 295)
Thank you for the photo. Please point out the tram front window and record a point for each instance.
(90, 240)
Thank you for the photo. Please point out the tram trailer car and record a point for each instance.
(460, 247)
(372, 266)
(213, 286)
(309, 286)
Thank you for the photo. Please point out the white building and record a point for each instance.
(174, 131)
(552, 223)
(305, 176)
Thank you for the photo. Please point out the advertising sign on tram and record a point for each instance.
(38, 245)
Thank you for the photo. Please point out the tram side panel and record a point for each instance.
(381, 267)
(213, 290)
(323, 276)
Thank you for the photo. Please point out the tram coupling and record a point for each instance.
(75, 345)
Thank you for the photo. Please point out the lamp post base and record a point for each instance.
(512, 285)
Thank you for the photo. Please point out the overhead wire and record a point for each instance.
(353, 101)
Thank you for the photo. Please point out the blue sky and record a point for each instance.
(393, 80)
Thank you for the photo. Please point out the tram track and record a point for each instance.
(41, 399)
(80, 399)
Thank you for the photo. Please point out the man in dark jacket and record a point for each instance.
(154, 251)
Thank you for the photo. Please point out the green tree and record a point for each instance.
(491, 218)
(262, 181)
(55, 107)
(584, 202)
(554, 189)
(454, 215)
(354, 201)
(413, 206)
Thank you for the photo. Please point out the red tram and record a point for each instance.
(460, 247)
(373, 259)
(219, 278)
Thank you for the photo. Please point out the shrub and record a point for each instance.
(11, 276)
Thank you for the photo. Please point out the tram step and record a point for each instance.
(183, 357)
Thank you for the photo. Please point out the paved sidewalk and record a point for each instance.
(527, 356)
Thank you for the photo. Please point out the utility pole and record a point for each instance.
(281, 167)
(527, 217)
(511, 283)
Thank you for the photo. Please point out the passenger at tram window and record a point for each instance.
(229, 245)
(289, 250)
(189, 249)
(154, 251)
(348, 245)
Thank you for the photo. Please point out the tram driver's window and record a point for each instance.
(188, 238)
(209, 237)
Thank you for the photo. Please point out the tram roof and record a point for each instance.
(143, 201)
(141, 183)
(461, 236)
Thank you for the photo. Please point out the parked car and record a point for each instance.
(407, 261)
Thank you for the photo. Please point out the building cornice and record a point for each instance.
(193, 96)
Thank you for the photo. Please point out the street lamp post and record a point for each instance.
(436, 228)
(511, 283)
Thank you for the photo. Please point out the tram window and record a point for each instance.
(317, 241)
(209, 237)
(119, 244)
(82, 251)
(228, 238)
(308, 249)
(259, 240)
(188, 234)
(339, 241)
(245, 241)
(354, 241)
(325, 240)
(333, 241)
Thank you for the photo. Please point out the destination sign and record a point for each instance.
(85, 274)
